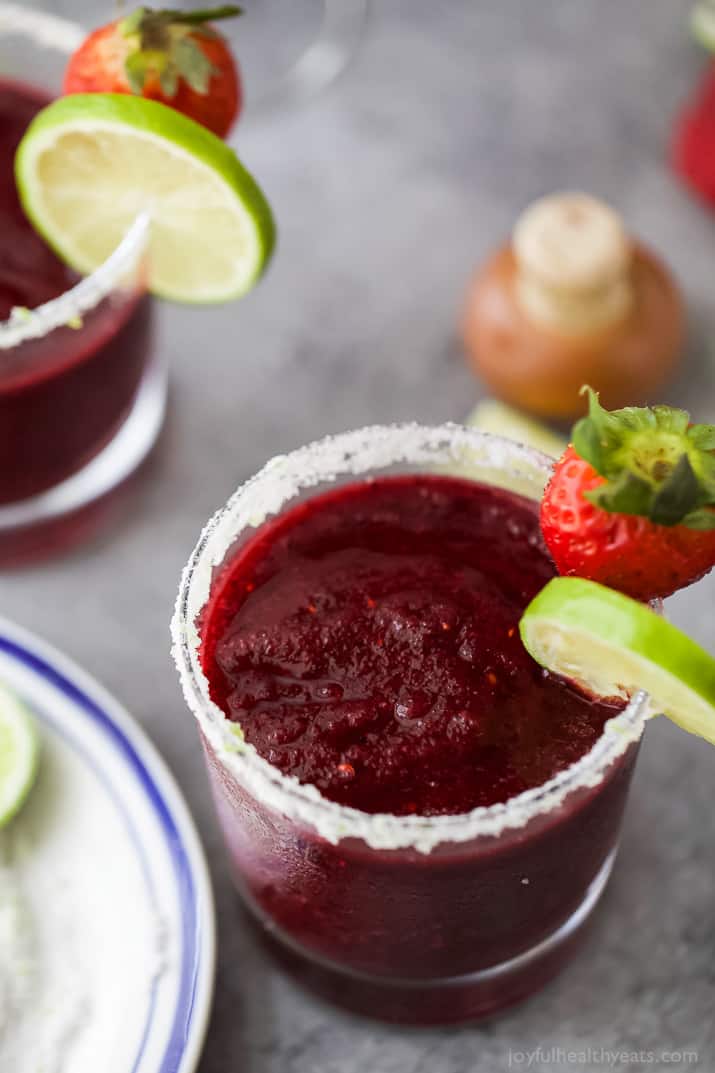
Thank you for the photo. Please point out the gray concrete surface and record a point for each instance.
(388, 189)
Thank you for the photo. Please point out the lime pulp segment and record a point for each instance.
(90, 164)
(613, 646)
(19, 750)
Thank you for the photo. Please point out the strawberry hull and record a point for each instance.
(631, 502)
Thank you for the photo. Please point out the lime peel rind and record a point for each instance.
(19, 754)
(613, 645)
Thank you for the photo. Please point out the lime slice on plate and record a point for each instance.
(19, 751)
(613, 645)
(702, 23)
(89, 164)
(502, 420)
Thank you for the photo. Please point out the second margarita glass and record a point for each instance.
(82, 393)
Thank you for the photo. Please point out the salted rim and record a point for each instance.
(356, 453)
(63, 311)
(53, 32)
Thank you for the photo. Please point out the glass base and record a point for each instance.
(60, 516)
(450, 1000)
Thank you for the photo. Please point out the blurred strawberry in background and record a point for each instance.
(175, 57)
(694, 134)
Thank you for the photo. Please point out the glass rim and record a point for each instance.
(70, 306)
(359, 453)
(49, 31)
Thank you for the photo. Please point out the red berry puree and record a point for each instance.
(368, 643)
(30, 273)
(62, 397)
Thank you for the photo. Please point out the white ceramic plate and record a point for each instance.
(112, 876)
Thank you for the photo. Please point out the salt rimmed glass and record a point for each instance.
(422, 919)
(82, 394)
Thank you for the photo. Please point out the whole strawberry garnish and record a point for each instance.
(631, 502)
(174, 57)
(694, 140)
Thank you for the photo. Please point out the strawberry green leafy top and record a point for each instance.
(163, 46)
(656, 464)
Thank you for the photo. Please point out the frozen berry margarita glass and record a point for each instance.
(419, 815)
(81, 395)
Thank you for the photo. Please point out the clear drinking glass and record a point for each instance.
(409, 918)
(82, 393)
(289, 51)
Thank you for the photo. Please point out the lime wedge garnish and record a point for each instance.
(490, 415)
(614, 646)
(702, 23)
(89, 164)
(19, 750)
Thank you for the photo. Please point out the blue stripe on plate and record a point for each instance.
(191, 945)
